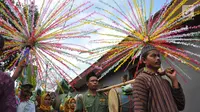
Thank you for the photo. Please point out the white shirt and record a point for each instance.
(27, 106)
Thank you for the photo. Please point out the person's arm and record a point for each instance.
(179, 97)
(19, 69)
(107, 109)
(33, 107)
(17, 72)
(10, 96)
(105, 96)
(140, 95)
(79, 104)
(176, 88)
(56, 103)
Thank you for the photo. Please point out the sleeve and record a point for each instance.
(179, 97)
(106, 108)
(56, 103)
(32, 107)
(11, 104)
(140, 95)
(79, 105)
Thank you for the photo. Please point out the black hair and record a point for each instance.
(1, 42)
(92, 74)
(48, 94)
(146, 49)
(39, 91)
(125, 77)
(145, 55)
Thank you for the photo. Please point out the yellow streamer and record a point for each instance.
(173, 11)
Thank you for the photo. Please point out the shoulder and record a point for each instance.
(85, 95)
(167, 82)
(79, 97)
(30, 105)
(5, 78)
(31, 102)
(143, 77)
(142, 80)
(21, 106)
(102, 94)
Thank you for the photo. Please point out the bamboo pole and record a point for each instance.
(115, 86)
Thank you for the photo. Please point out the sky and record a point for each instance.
(87, 42)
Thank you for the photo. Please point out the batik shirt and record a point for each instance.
(7, 93)
(152, 93)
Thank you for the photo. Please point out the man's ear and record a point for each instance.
(143, 60)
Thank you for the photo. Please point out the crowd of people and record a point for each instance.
(44, 101)
(91, 101)
(151, 93)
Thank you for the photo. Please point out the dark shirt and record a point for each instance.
(152, 93)
(7, 94)
(38, 99)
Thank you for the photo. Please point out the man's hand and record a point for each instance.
(19, 69)
(22, 63)
(171, 73)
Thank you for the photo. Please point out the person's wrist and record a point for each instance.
(175, 83)
(21, 66)
(174, 79)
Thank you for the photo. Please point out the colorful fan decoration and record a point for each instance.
(44, 35)
(164, 30)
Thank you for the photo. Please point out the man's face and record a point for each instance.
(26, 92)
(153, 59)
(93, 83)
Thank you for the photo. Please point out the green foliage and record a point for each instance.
(64, 87)
(31, 74)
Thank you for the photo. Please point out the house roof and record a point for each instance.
(78, 82)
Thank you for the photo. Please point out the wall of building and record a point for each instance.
(112, 78)
(191, 88)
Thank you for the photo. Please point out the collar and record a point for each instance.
(89, 94)
(149, 71)
(24, 99)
